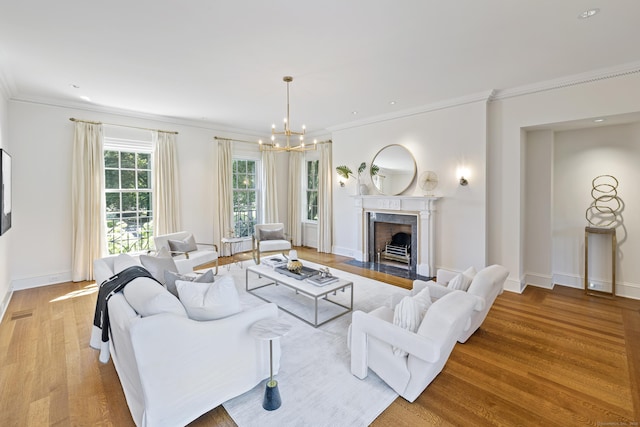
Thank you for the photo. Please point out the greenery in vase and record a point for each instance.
(344, 171)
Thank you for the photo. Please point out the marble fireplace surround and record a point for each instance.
(422, 207)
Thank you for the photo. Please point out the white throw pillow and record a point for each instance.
(407, 316)
(148, 297)
(423, 299)
(124, 261)
(470, 272)
(463, 280)
(460, 282)
(209, 301)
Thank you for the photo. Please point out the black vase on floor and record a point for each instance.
(271, 400)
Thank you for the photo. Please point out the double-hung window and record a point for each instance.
(312, 190)
(245, 196)
(128, 195)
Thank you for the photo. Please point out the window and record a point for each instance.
(245, 206)
(128, 199)
(312, 190)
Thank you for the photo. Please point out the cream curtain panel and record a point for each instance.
(166, 200)
(87, 200)
(270, 187)
(325, 199)
(225, 192)
(296, 168)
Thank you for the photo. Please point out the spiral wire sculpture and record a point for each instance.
(603, 211)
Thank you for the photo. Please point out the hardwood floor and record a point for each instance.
(541, 358)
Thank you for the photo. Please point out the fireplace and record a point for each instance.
(388, 215)
(383, 248)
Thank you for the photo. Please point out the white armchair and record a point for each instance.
(269, 238)
(374, 335)
(187, 253)
(486, 285)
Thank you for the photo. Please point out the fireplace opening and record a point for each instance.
(392, 240)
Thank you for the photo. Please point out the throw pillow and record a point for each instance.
(470, 272)
(460, 282)
(147, 298)
(182, 246)
(170, 278)
(275, 234)
(209, 301)
(124, 261)
(423, 299)
(407, 316)
(158, 264)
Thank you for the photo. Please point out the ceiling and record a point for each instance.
(222, 62)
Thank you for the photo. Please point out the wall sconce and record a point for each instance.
(463, 173)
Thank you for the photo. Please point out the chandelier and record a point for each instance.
(288, 134)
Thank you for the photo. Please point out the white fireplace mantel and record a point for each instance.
(422, 207)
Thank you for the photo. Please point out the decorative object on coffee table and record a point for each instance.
(270, 329)
(294, 265)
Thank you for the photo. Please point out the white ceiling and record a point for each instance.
(223, 61)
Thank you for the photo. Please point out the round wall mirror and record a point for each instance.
(392, 170)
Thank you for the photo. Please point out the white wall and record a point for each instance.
(537, 207)
(441, 141)
(41, 244)
(580, 156)
(5, 239)
(507, 119)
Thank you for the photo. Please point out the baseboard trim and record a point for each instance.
(5, 303)
(539, 280)
(37, 281)
(513, 285)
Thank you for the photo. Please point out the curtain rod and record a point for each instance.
(220, 138)
(122, 126)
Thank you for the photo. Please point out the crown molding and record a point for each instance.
(201, 124)
(7, 86)
(484, 96)
(574, 80)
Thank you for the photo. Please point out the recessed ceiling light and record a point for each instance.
(599, 120)
(588, 13)
(85, 98)
(392, 102)
(354, 112)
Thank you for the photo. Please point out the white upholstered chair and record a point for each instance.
(269, 238)
(485, 286)
(374, 335)
(186, 252)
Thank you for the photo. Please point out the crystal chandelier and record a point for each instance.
(288, 134)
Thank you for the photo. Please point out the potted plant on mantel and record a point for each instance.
(346, 172)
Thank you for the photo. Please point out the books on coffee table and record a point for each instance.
(274, 261)
(321, 281)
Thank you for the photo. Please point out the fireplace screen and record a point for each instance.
(399, 248)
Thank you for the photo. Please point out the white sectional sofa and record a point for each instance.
(174, 369)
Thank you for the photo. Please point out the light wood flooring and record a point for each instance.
(543, 358)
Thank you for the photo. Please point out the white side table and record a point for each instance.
(270, 329)
(234, 244)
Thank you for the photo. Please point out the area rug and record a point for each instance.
(315, 380)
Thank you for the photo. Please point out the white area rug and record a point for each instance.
(315, 380)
